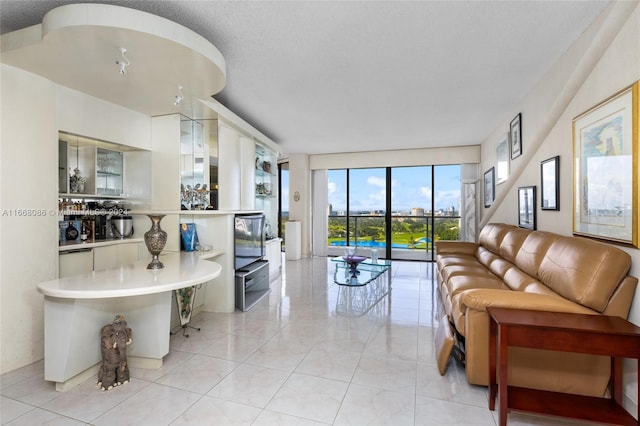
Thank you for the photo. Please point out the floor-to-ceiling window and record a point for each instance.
(411, 208)
(400, 211)
(283, 199)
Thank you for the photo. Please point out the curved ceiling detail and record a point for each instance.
(80, 45)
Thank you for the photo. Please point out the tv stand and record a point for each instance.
(252, 284)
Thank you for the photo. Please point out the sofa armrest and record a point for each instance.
(461, 247)
(481, 299)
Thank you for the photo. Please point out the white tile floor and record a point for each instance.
(291, 360)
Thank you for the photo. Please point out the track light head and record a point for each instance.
(124, 63)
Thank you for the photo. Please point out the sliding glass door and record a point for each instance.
(399, 211)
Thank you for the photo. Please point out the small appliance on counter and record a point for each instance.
(122, 226)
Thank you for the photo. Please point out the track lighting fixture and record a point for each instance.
(179, 96)
(124, 63)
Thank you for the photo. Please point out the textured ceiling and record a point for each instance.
(324, 76)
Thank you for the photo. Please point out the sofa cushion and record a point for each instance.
(492, 234)
(485, 256)
(532, 251)
(511, 243)
(518, 280)
(584, 271)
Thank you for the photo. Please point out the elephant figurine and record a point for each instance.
(115, 338)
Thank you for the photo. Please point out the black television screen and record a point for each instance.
(249, 239)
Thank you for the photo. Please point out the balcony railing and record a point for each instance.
(411, 236)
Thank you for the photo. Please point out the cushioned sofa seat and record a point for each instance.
(517, 268)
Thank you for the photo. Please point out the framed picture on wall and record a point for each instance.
(515, 136)
(549, 185)
(605, 173)
(527, 207)
(489, 186)
(502, 160)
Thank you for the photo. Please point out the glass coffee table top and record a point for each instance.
(358, 274)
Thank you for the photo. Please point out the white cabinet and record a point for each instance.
(293, 248)
(274, 256)
(104, 257)
(84, 260)
(75, 262)
(88, 167)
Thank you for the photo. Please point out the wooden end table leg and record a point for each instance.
(493, 386)
(616, 379)
(503, 379)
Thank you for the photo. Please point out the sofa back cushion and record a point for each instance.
(584, 271)
(533, 250)
(511, 243)
(492, 234)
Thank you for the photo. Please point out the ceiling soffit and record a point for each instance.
(80, 45)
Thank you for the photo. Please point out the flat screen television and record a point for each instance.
(249, 239)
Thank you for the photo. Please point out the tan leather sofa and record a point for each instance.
(512, 267)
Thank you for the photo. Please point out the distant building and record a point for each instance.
(417, 211)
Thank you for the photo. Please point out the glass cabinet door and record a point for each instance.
(109, 172)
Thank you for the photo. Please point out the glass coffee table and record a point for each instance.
(361, 287)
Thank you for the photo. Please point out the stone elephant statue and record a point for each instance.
(114, 370)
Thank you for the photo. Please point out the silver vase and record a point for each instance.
(155, 239)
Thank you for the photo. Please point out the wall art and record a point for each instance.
(605, 171)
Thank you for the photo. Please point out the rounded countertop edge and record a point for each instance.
(209, 270)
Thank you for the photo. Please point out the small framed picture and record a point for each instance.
(489, 187)
(515, 135)
(502, 160)
(527, 207)
(549, 187)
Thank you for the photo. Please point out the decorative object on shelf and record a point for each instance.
(115, 338)
(549, 185)
(189, 236)
(489, 186)
(76, 181)
(605, 171)
(527, 207)
(155, 239)
(262, 188)
(515, 135)
(502, 160)
(196, 198)
(266, 166)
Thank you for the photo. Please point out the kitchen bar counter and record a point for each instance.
(76, 308)
(180, 271)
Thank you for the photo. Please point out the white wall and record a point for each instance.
(300, 181)
(603, 61)
(33, 109)
(29, 152)
(229, 170)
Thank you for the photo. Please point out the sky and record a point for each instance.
(410, 186)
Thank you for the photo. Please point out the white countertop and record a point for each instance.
(181, 270)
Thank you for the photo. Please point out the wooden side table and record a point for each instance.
(590, 334)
